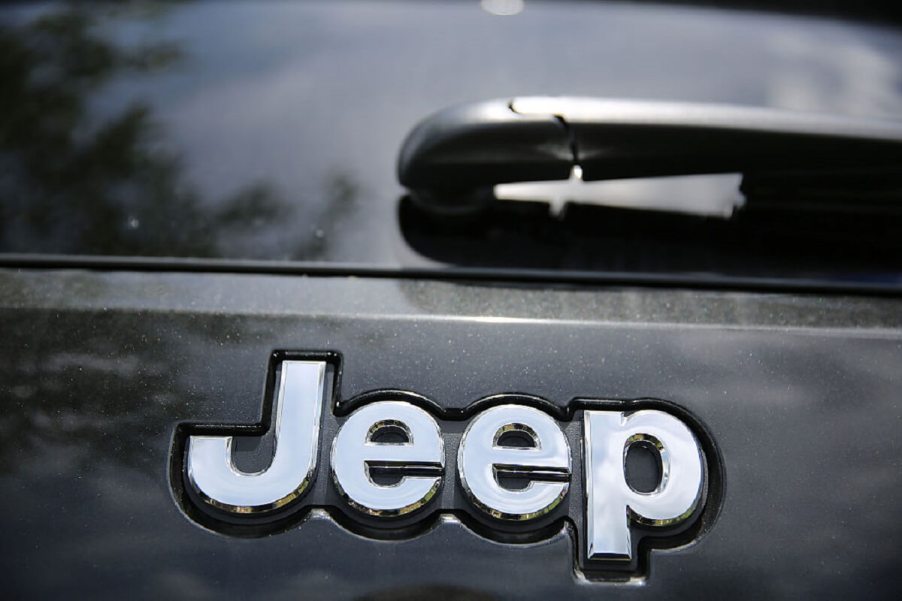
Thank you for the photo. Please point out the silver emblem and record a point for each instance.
(356, 454)
(297, 412)
(611, 503)
(483, 457)
(516, 468)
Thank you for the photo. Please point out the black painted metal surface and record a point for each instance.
(249, 131)
(801, 395)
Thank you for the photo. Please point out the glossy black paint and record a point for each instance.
(220, 129)
(800, 393)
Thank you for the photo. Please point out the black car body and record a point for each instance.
(193, 192)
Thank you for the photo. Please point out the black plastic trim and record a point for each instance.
(511, 276)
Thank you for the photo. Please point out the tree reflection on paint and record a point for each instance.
(70, 185)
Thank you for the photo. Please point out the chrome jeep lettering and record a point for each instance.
(296, 419)
(483, 457)
(611, 502)
(512, 467)
(356, 453)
